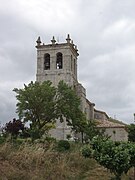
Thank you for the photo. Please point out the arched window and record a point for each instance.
(59, 61)
(47, 61)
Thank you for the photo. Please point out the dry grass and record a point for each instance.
(35, 162)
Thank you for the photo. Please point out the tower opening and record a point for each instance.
(46, 61)
(59, 61)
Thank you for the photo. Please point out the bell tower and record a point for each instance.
(57, 61)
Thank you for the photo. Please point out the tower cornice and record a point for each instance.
(57, 46)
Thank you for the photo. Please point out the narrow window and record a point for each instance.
(74, 67)
(71, 63)
(59, 60)
(47, 61)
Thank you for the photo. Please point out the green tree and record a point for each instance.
(42, 104)
(131, 132)
(117, 157)
(131, 137)
(68, 104)
(91, 130)
(68, 107)
(37, 105)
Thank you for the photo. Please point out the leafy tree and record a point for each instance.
(14, 127)
(91, 130)
(131, 132)
(131, 137)
(42, 104)
(117, 157)
(68, 107)
(37, 105)
(63, 145)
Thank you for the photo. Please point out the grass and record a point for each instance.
(43, 162)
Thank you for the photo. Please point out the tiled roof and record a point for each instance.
(108, 124)
(102, 112)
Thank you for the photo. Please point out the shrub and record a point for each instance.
(2, 139)
(87, 151)
(117, 157)
(69, 136)
(19, 141)
(50, 139)
(63, 145)
(14, 127)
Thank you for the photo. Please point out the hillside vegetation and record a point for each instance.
(42, 161)
(29, 153)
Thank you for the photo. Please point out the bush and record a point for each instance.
(87, 152)
(50, 139)
(14, 127)
(117, 157)
(2, 139)
(68, 136)
(63, 145)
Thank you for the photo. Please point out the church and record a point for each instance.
(58, 61)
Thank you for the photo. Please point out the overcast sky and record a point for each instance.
(104, 32)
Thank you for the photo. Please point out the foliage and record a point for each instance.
(42, 104)
(118, 158)
(68, 107)
(87, 152)
(14, 127)
(68, 136)
(131, 150)
(50, 139)
(63, 145)
(131, 132)
(33, 161)
(25, 133)
(2, 139)
(36, 104)
(91, 130)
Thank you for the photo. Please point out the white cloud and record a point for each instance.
(104, 33)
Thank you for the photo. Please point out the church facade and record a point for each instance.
(56, 62)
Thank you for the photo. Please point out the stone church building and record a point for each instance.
(58, 61)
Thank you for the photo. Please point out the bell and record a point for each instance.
(60, 63)
(47, 64)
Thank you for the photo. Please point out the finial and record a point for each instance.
(76, 48)
(53, 40)
(72, 42)
(38, 41)
(68, 38)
